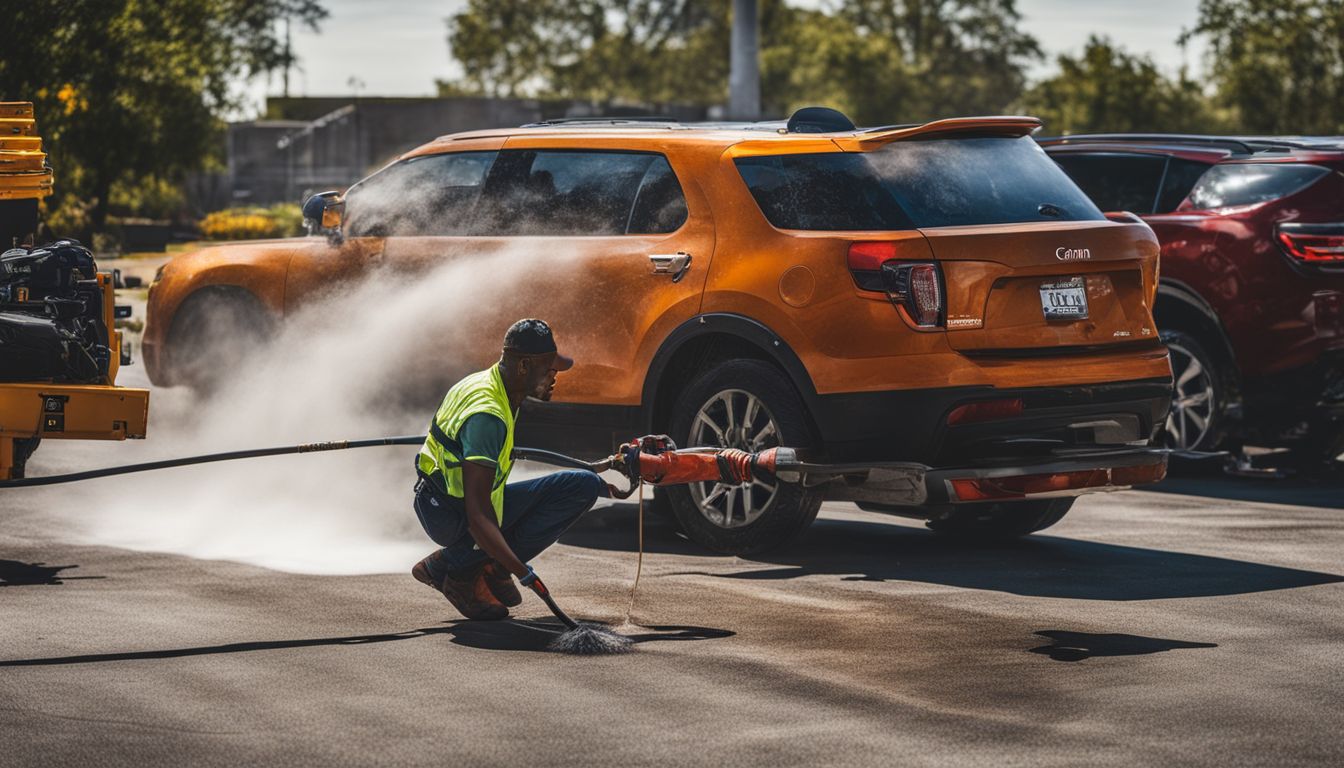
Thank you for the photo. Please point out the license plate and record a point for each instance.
(1064, 299)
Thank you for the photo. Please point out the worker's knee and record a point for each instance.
(582, 486)
(591, 485)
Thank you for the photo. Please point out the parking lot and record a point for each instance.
(1195, 624)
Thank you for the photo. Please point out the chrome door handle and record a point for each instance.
(674, 264)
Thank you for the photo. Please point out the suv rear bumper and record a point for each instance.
(1065, 441)
(907, 484)
(912, 425)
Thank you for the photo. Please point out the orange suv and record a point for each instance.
(935, 310)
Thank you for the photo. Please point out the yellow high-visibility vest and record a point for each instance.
(440, 458)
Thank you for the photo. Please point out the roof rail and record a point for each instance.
(603, 120)
(1224, 142)
(1327, 143)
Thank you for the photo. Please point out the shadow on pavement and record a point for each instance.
(1037, 566)
(14, 573)
(206, 650)
(1302, 492)
(512, 635)
(536, 634)
(1076, 646)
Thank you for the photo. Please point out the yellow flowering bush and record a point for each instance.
(252, 223)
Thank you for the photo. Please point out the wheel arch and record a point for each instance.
(1180, 307)
(705, 340)
(236, 294)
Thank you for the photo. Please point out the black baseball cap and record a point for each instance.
(533, 337)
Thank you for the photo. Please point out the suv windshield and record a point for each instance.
(907, 184)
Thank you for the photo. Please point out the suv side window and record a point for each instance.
(660, 207)
(425, 195)
(830, 191)
(1116, 182)
(571, 192)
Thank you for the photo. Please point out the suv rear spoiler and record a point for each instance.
(1003, 125)
(876, 138)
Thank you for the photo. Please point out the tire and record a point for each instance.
(213, 334)
(733, 519)
(1199, 394)
(659, 504)
(1000, 521)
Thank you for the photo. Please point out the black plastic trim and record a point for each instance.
(1180, 291)
(745, 328)
(911, 425)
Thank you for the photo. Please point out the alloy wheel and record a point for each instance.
(1192, 401)
(738, 419)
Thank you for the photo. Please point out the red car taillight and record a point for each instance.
(988, 410)
(916, 287)
(1320, 244)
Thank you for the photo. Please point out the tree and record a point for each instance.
(1108, 90)
(644, 51)
(134, 89)
(1278, 64)
(882, 61)
(917, 60)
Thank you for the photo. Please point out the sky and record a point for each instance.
(399, 47)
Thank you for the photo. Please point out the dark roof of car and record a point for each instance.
(1237, 145)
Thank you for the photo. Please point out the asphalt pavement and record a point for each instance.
(234, 615)
(1147, 628)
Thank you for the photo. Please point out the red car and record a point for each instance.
(1251, 298)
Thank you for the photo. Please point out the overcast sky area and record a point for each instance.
(399, 47)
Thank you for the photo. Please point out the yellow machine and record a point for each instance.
(31, 411)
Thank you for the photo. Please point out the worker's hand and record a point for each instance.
(528, 578)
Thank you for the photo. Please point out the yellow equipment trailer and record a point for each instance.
(31, 411)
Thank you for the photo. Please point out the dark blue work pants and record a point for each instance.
(536, 513)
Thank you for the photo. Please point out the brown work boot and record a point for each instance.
(465, 589)
(501, 585)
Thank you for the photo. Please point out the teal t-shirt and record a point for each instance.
(482, 438)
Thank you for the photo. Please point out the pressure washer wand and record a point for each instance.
(536, 585)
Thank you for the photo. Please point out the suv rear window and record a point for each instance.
(1249, 183)
(907, 184)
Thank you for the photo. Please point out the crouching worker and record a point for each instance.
(488, 530)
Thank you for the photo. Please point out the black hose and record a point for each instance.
(528, 454)
(556, 459)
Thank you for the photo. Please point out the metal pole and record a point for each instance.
(744, 74)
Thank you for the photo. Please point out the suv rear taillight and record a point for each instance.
(916, 287)
(1318, 244)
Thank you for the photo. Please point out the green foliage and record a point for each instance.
(130, 89)
(1278, 64)
(917, 60)
(149, 197)
(639, 50)
(68, 218)
(882, 61)
(1108, 90)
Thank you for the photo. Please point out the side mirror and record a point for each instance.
(322, 214)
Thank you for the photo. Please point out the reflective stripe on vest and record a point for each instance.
(440, 458)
